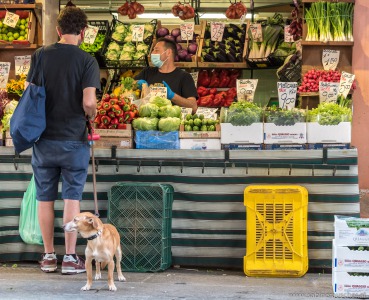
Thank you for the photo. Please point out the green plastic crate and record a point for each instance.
(142, 214)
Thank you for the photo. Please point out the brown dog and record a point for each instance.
(103, 243)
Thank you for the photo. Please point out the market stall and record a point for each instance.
(208, 226)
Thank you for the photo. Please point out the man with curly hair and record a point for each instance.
(71, 77)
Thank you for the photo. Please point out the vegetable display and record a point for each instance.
(16, 86)
(184, 11)
(96, 46)
(283, 117)
(199, 123)
(262, 49)
(236, 10)
(131, 9)
(328, 21)
(169, 124)
(20, 32)
(3, 102)
(231, 47)
(218, 78)
(244, 114)
(330, 114)
(214, 98)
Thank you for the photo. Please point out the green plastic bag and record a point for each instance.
(29, 228)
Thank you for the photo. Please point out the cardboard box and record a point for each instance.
(340, 133)
(345, 259)
(200, 144)
(347, 285)
(285, 147)
(351, 231)
(121, 143)
(294, 134)
(115, 132)
(199, 134)
(330, 146)
(231, 134)
(242, 146)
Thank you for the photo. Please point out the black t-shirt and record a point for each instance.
(179, 81)
(67, 71)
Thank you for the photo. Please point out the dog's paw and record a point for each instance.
(112, 288)
(121, 278)
(97, 276)
(86, 287)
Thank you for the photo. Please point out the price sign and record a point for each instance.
(187, 30)
(330, 59)
(185, 111)
(22, 64)
(4, 74)
(138, 33)
(287, 94)
(288, 37)
(160, 91)
(90, 34)
(346, 83)
(216, 29)
(209, 113)
(10, 19)
(328, 91)
(246, 89)
(256, 32)
(195, 77)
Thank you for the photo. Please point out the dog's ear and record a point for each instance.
(95, 223)
(90, 221)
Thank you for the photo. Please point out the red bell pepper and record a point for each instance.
(102, 126)
(206, 100)
(126, 108)
(122, 126)
(97, 120)
(202, 91)
(214, 79)
(111, 114)
(112, 126)
(105, 97)
(213, 91)
(105, 120)
(102, 112)
(130, 115)
(203, 78)
(121, 102)
(114, 121)
(113, 102)
(113, 96)
(224, 78)
(107, 106)
(219, 98)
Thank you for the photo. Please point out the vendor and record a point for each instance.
(181, 89)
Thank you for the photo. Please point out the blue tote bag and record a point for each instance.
(28, 121)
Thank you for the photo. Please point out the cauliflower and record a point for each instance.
(139, 55)
(120, 28)
(142, 47)
(114, 46)
(112, 55)
(147, 34)
(125, 56)
(129, 47)
(149, 28)
(117, 36)
(128, 38)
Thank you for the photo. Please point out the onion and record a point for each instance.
(192, 48)
(169, 37)
(176, 58)
(162, 32)
(179, 39)
(188, 57)
(175, 32)
(179, 47)
(182, 54)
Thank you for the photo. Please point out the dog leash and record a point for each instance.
(91, 138)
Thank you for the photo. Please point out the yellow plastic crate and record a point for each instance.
(276, 230)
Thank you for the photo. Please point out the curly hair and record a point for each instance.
(72, 20)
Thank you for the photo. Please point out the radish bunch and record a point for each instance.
(310, 82)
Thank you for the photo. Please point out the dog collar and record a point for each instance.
(92, 237)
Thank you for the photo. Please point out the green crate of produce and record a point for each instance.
(142, 214)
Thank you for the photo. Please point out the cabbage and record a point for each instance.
(159, 101)
(148, 110)
(169, 124)
(145, 124)
(170, 111)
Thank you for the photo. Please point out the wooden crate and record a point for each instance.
(199, 134)
(115, 133)
(181, 64)
(230, 65)
(119, 142)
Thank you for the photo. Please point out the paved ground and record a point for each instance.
(26, 281)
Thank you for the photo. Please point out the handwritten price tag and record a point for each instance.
(256, 32)
(330, 59)
(195, 77)
(11, 19)
(138, 33)
(22, 64)
(217, 30)
(287, 94)
(346, 83)
(288, 37)
(160, 91)
(4, 74)
(187, 30)
(328, 91)
(90, 34)
(246, 89)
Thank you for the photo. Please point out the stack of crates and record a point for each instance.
(276, 230)
(350, 270)
(142, 214)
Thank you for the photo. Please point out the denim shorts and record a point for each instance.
(52, 160)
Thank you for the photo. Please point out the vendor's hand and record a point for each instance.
(140, 83)
(170, 93)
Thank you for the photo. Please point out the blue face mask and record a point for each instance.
(156, 61)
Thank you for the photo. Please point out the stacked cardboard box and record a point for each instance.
(350, 264)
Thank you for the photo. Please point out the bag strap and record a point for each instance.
(36, 66)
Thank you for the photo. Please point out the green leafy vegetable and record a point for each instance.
(145, 124)
(281, 117)
(170, 111)
(330, 114)
(96, 46)
(243, 113)
(169, 124)
(159, 101)
(148, 110)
